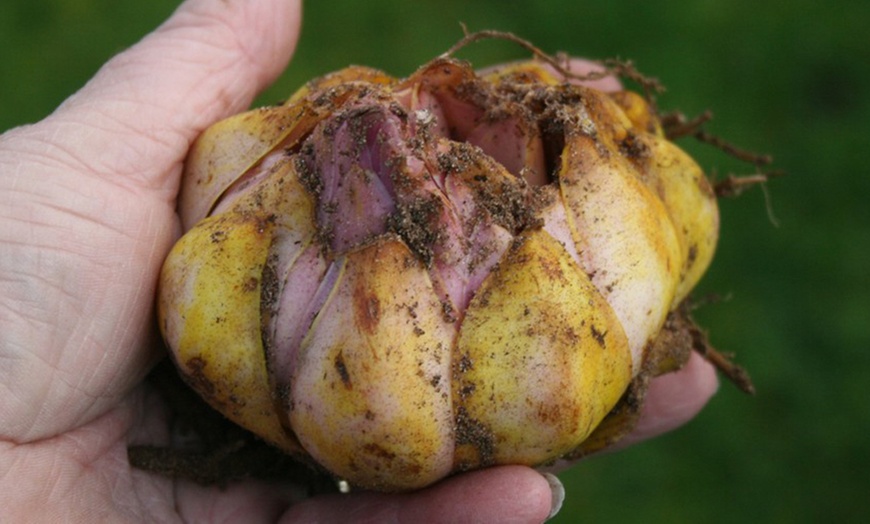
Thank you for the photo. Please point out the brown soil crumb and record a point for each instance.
(216, 451)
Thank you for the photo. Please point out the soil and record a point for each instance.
(210, 450)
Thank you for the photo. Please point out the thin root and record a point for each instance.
(609, 67)
(732, 150)
(734, 185)
(736, 374)
(676, 125)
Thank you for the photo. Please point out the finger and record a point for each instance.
(508, 494)
(582, 67)
(577, 67)
(80, 256)
(674, 399)
(250, 502)
(207, 61)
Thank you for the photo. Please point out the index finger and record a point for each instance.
(577, 67)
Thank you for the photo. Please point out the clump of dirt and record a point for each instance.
(210, 450)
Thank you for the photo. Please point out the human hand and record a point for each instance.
(87, 214)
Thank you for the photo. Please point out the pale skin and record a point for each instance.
(87, 214)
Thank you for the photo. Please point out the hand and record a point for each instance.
(87, 214)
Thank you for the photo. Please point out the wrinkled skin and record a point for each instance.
(399, 280)
(88, 215)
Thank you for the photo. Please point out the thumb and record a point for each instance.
(210, 59)
(87, 198)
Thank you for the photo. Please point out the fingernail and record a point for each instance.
(558, 492)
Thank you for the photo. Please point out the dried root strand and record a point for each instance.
(676, 125)
(732, 150)
(203, 468)
(733, 185)
(626, 69)
(721, 361)
(559, 62)
(490, 34)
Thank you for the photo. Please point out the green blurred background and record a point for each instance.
(788, 78)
